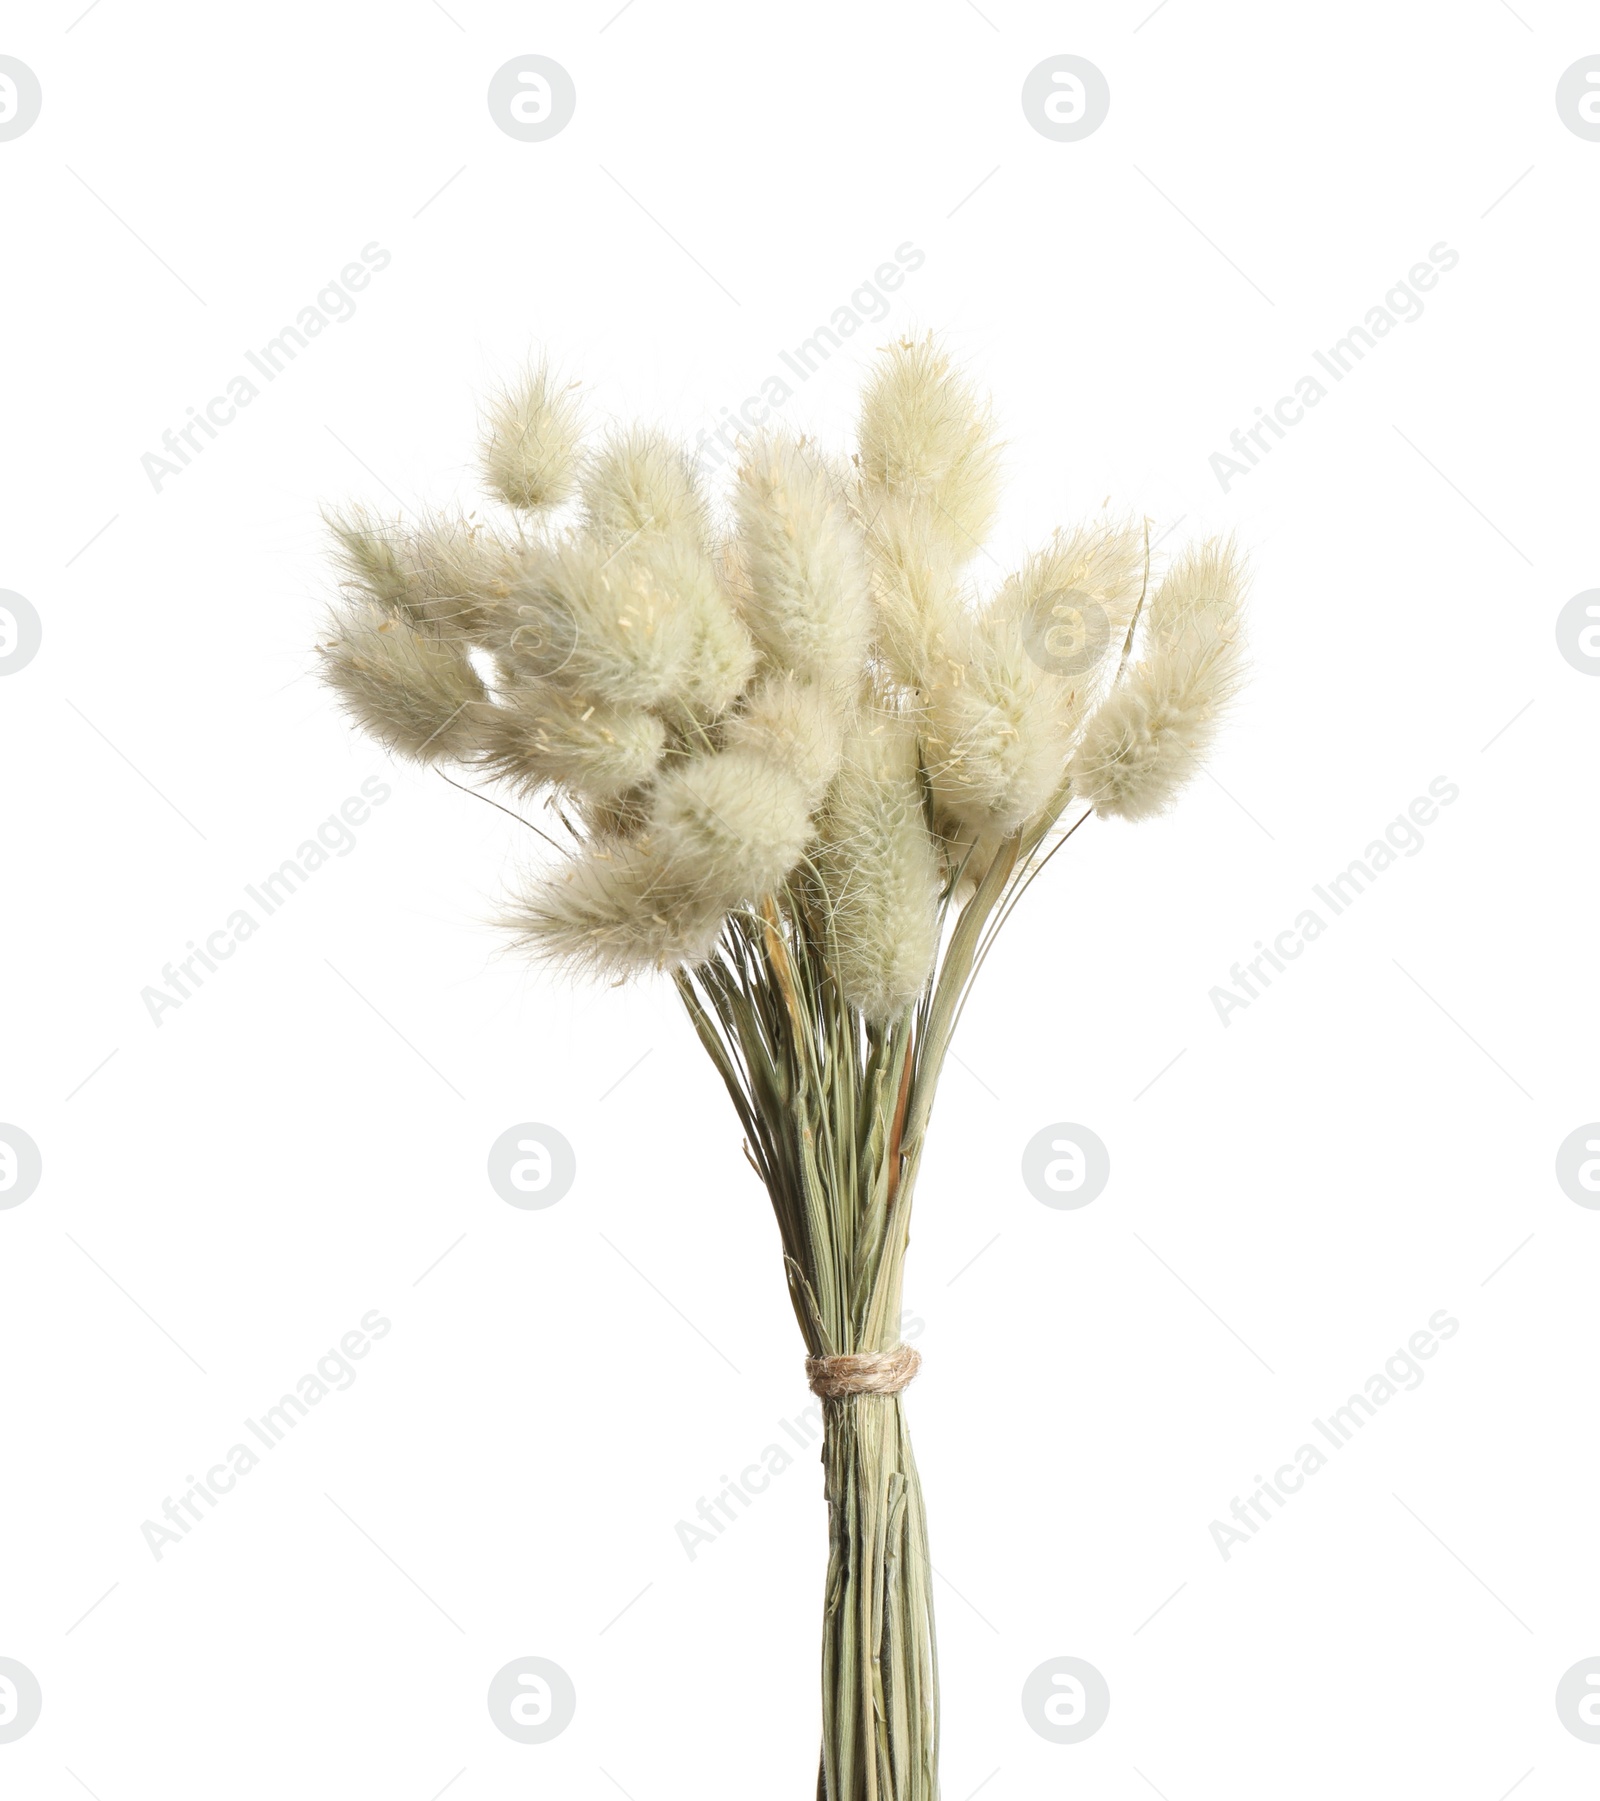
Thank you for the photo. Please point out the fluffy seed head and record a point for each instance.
(1147, 739)
(737, 821)
(530, 444)
(1199, 599)
(878, 871)
(795, 725)
(1073, 602)
(600, 624)
(617, 911)
(806, 600)
(994, 740)
(543, 736)
(640, 481)
(722, 656)
(921, 619)
(724, 830)
(927, 438)
(417, 694)
(445, 576)
(1143, 744)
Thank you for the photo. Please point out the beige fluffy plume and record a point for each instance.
(1147, 740)
(877, 868)
(803, 711)
(532, 431)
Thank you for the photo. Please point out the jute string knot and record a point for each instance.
(864, 1373)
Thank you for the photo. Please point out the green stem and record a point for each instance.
(880, 1699)
(954, 971)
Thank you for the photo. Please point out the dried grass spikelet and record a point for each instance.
(1200, 597)
(616, 911)
(994, 732)
(530, 443)
(599, 624)
(797, 725)
(543, 736)
(444, 576)
(724, 829)
(877, 868)
(1146, 741)
(415, 692)
(722, 656)
(639, 481)
(371, 558)
(926, 437)
(993, 735)
(922, 619)
(640, 499)
(1143, 744)
(463, 573)
(803, 563)
(1074, 601)
(738, 820)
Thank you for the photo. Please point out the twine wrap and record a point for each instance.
(865, 1373)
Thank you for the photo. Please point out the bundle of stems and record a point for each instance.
(807, 771)
(835, 1110)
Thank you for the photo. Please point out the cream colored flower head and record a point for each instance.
(795, 700)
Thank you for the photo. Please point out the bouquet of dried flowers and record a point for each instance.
(806, 771)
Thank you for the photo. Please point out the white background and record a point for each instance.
(305, 1138)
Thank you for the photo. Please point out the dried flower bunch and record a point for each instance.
(808, 768)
